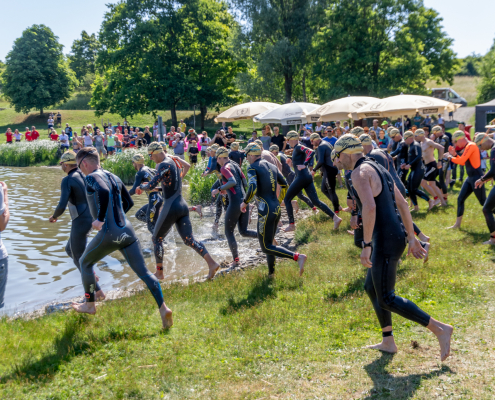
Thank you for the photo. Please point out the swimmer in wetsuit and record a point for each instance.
(301, 157)
(73, 194)
(233, 183)
(109, 200)
(236, 155)
(471, 158)
(444, 141)
(386, 219)
(263, 179)
(175, 210)
(399, 154)
(484, 142)
(222, 201)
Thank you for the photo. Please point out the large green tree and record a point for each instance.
(83, 55)
(486, 87)
(37, 74)
(380, 48)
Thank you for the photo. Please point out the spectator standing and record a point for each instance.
(118, 128)
(17, 135)
(330, 138)
(182, 126)
(383, 140)
(50, 124)
(155, 131)
(99, 143)
(441, 121)
(76, 143)
(68, 131)
(280, 140)
(147, 135)
(204, 142)
(64, 141)
(59, 119)
(346, 127)
(87, 139)
(375, 127)
(193, 152)
(305, 140)
(110, 137)
(318, 128)
(178, 145)
(254, 137)
(192, 135)
(8, 136)
(4, 220)
(230, 136)
(34, 133)
(466, 129)
(417, 120)
(140, 141)
(427, 122)
(266, 139)
(398, 124)
(408, 123)
(27, 135)
(54, 136)
(219, 138)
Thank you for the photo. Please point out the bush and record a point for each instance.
(120, 164)
(200, 187)
(25, 154)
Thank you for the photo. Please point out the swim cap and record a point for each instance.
(348, 144)
(314, 136)
(222, 152)
(274, 147)
(389, 129)
(408, 134)
(69, 157)
(253, 148)
(366, 139)
(292, 135)
(155, 148)
(436, 128)
(259, 143)
(138, 159)
(458, 135)
(480, 138)
(419, 132)
(234, 145)
(393, 132)
(208, 149)
(358, 131)
(214, 146)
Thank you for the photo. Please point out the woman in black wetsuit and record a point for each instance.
(233, 182)
(301, 157)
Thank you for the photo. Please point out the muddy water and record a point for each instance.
(39, 269)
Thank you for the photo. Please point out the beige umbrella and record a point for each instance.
(245, 111)
(339, 109)
(403, 104)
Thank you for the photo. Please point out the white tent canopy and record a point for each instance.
(339, 109)
(287, 114)
(245, 111)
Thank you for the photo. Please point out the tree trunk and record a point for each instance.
(304, 87)
(288, 87)
(204, 111)
(41, 112)
(173, 113)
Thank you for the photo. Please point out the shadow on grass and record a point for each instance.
(385, 385)
(262, 290)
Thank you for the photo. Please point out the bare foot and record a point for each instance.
(166, 314)
(350, 233)
(280, 224)
(444, 338)
(416, 208)
(215, 226)
(490, 241)
(315, 210)
(347, 209)
(295, 206)
(100, 296)
(386, 346)
(290, 228)
(275, 243)
(212, 271)
(85, 308)
(234, 264)
(301, 260)
(432, 203)
(159, 274)
(97, 278)
(336, 222)
(427, 248)
(455, 226)
(423, 237)
(199, 210)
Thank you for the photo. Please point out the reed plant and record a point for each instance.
(120, 164)
(24, 154)
(200, 187)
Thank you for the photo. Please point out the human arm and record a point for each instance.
(5, 215)
(137, 183)
(415, 155)
(468, 153)
(396, 151)
(227, 174)
(252, 185)
(162, 170)
(439, 147)
(184, 165)
(64, 199)
(127, 202)
(491, 172)
(96, 184)
(320, 157)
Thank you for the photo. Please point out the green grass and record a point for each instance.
(243, 336)
(465, 86)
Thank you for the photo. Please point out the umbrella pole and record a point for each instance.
(402, 123)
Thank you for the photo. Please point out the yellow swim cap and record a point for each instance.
(222, 152)
(419, 132)
(138, 159)
(155, 147)
(408, 134)
(314, 136)
(234, 145)
(69, 157)
(253, 149)
(259, 143)
(348, 144)
(366, 139)
(458, 135)
(393, 132)
(358, 131)
(214, 146)
(292, 135)
(274, 147)
(480, 138)
(436, 128)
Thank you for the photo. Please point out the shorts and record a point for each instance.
(64, 146)
(203, 153)
(181, 156)
(101, 149)
(110, 148)
(50, 126)
(431, 172)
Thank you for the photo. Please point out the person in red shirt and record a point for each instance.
(34, 133)
(27, 135)
(53, 135)
(118, 128)
(8, 136)
(466, 129)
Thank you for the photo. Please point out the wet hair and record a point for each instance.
(89, 154)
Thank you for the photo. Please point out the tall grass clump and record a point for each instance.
(200, 187)
(25, 154)
(120, 164)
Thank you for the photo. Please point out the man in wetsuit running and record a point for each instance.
(471, 158)
(233, 182)
(444, 141)
(222, 201)
(329, 172)
(175, 210)
(433, 167)
(109, 200)
(399, 154)
(263, 179)
(301, 157)
(73, 194)
(386, 219)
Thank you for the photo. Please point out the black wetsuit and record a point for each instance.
(441, 184)
(303, 156)
(489, 206)
(289, 175)
(73, 194)
(401, 153)
(149, 212)
(175, 209)
(221, 202)
(234, 182)
(262, 182)
(330, 172)
(415, 160)
(109, 201)
(237, 156)
(358, 232)
(389, 243)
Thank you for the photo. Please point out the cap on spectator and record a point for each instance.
(69, 157)
(366, 139)
(458, 135)
(138, 159)
(292, 135)
(384, 123)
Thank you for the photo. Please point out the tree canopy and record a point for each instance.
(37, 74)
(486, 88)
(83, 55)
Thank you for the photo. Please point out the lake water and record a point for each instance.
(39, 269)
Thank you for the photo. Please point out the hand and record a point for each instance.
(301, 167)
(439, 165)
(243, 207)
(452, 151)
(402, 166)
(354, 222)
(223, 192)
(214, 192)
(52, 220)
(415, 249)
(97, 225)
(407, 166)
(139, 191)
(289, 162)
(478, 183)
(365, 257)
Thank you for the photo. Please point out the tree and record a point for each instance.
(280, 34)
(470, 65)
(380, 48)
(37, 75)
(83, 57)
(486, 87)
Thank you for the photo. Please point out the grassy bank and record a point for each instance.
(245, 337)
(465, 86)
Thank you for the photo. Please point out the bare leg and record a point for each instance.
(85, 308)
(423, 237)
(212, 266)
(387, 345)
(295, 206)
(166, 315)
(100, 296)
(159, 272)
(290, 228)
(301, 261)
(336, 222)
(443, 332)
(457, 223)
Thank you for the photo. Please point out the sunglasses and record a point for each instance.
(80, 162)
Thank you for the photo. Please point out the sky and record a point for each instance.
(470, 23)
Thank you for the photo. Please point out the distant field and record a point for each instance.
(463, 85)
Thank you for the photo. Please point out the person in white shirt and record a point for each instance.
(346, 127)
(64, 141)
(50, 124)
(441, 121)
(4, 220)
(204, 141)
(318, 127)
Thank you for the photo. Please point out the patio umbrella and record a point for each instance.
(403, 104)
(245, 111)
(287, 114)
(339, 109)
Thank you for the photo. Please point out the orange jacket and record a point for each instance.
(471, 153)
